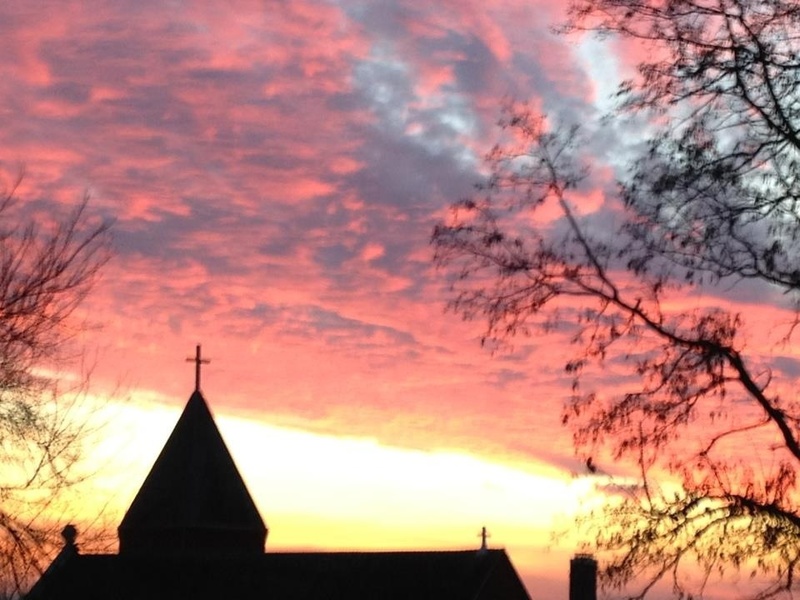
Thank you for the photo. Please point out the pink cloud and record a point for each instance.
(275, 174)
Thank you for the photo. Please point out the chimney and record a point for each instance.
(583, 577)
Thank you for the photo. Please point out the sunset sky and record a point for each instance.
(274, 170)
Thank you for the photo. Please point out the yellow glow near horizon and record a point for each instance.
(327, 492)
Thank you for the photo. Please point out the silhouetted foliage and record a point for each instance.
(719, 185)
(47, 266)
(711, 204)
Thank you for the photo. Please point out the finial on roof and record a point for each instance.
(197, 360)
(70, 534)
(484, 535)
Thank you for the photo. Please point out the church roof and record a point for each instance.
(455, 575)
(193, 531)
(194, 499)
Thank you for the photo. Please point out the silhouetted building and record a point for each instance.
(193, 501)
(583, 577)
(193, 532)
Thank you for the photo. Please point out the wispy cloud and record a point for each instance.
(275, 170)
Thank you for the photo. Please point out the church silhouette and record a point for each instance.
(193, 531)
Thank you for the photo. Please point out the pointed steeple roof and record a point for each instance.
(193, 501)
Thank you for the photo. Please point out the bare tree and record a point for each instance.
(718, 187)
(711, 424)
(47, 266)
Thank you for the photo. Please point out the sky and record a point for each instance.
(274, 171)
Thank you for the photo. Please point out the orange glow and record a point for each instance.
(274, 173)
(292, 472)
(338, 493)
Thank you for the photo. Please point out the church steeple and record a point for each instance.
(193, 501)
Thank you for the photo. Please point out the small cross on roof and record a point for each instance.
(197, 360)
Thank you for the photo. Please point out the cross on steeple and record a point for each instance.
(197, 360)
(484, 535)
